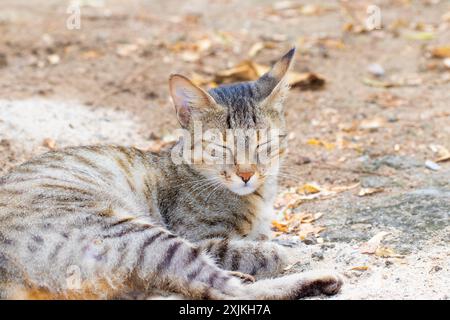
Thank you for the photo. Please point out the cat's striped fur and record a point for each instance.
(127, 221)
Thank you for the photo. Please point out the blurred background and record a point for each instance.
(368, 113)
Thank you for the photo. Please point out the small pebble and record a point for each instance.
(432, 165)
(317, 256)
(376, 69)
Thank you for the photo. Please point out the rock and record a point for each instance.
(376, 70)
(375, 182)
(413, 217)
(432, 165)
(317, 256)
(435, 269)
(393, 161)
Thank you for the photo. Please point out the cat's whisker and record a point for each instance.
(212, 192)
(209, 186)
(203, 186)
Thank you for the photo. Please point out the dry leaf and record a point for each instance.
(372, 124)
(317, 142)
(249, 70)
(332, 43)
(443, 158)
(279, 226)
(339, 189)
(442, 153)
(386, 100)
(360, 268)
(190, 56)
(255, 49)
(91, 54)
(372, 245)
(368, 191)
(308, 189)
(49, 143)
(306, 229)
(441, 52)
(125, 50)
(385, 252)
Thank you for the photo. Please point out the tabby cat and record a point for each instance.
(105, 222)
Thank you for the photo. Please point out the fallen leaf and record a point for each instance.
(368, 191)
(190, 56)
(256, 48)
(309, 189)
(317, 142)
(90, 54)
(371, 246)
(360, 268)
(386, 100)
(201, 80)
(279, 226)
(331, 43)
(354, 28)
(124, 50)
(306, 229)
(385, 252)
(248, 71)
(49, 143)
(441, 52)
(372, 124)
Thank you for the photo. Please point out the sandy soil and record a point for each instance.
(107, 83)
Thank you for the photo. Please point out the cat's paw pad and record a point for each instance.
(317, 283)
(245, 278)
(328, 283)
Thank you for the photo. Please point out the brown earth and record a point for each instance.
(377, 131)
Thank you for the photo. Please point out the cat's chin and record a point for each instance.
(243, 191)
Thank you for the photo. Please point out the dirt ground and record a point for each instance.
(381, 122)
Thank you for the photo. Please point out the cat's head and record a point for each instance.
(237, 132)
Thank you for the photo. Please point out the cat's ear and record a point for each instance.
(188, 98)
(274, 83)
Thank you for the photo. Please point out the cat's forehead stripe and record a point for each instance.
(240, 100)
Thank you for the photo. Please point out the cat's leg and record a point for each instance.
(127, 256)
(260, 259)
(159, 259)
(150, 257)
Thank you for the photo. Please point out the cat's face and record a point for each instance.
(237, 132)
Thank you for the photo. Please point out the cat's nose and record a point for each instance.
(246, 176)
